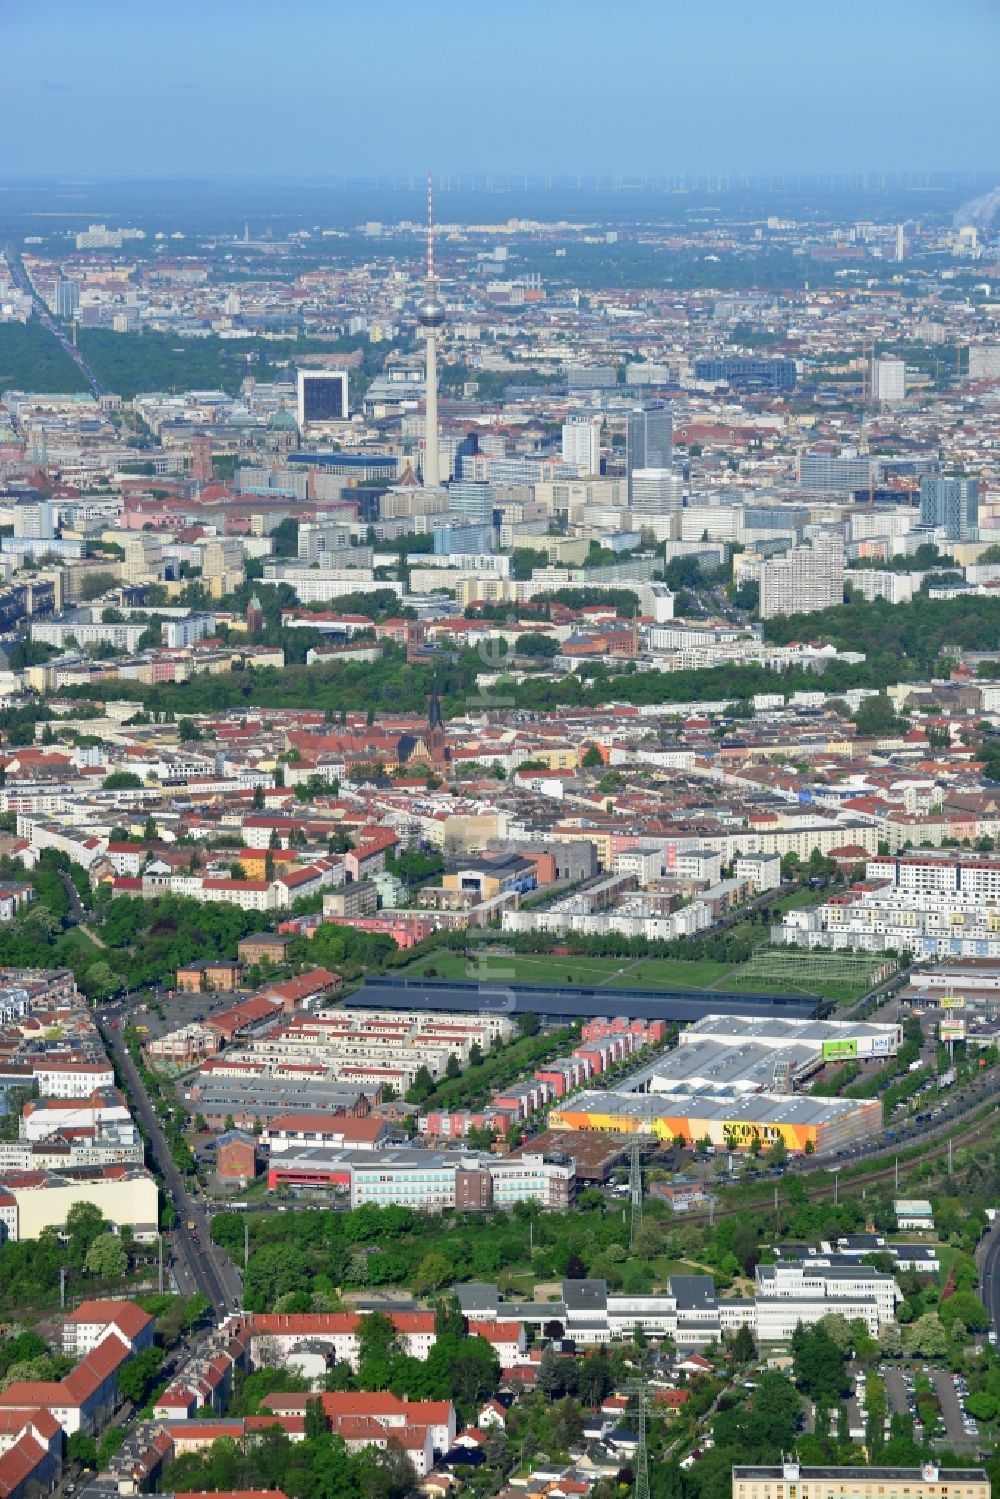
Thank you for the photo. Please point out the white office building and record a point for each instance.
(805, 1291)
(984, 362)
(33, 518)
(581, 446)
(888, 380)
(656, 493)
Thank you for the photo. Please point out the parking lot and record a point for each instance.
(897, 1393)
(951, 1392)
(957, 1429)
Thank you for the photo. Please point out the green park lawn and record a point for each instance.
(546, 968)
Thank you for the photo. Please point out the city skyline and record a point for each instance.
(225, 90)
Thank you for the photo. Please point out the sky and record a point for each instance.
(321, 88)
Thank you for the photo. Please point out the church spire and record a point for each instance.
(434, 716)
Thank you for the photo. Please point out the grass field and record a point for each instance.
(544, 968)
(781, 973)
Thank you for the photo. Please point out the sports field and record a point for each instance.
(781, 972)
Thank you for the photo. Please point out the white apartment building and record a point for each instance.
(927, 925)
(64, 632)
(889, 380)
(717, 522)
(984, 362)
(181, 633)
(581, 445)
(317, 541)
(34, 519)
(876, 583)
(72, 1077)
(804, 580)
(975, 876)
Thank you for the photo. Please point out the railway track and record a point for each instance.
(883, 1172)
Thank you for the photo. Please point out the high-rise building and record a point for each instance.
(649, 439)
(888, 380)
(33, 518)
(463, 540)
(202, 471)
(470, 502)
(581, 445)
(430, 317)
(322, 396)
(592, 376)
(950, 504)
(655, 492)
(805, 579)
(318, 542)
(222, 565)
(67, 299)
(984, 361)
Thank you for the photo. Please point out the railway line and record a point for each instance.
(883, 1171)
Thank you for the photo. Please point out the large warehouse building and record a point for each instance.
(729, 1120)
(829, 1039)
(731, 1079)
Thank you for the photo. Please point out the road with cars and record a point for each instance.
(22, 281)
(203, 1264)
(988, 1256)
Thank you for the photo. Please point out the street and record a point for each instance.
(204, 1266)
(21, 280)
(988, 1255)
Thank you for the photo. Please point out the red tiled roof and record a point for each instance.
(124, 1314)
(18, 1464)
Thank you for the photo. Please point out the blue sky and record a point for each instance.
(318, 87)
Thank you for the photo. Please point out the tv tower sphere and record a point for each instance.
(430, 312)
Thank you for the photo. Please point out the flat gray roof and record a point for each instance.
(750, 1028)
(572, 1003)
(758, 1108)
(708, 1065)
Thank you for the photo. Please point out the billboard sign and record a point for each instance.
(952, 1030)
(839, 1051)
(953, 1002)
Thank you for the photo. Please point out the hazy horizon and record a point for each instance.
(318, 90)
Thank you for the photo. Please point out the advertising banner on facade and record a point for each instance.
(839, 1051)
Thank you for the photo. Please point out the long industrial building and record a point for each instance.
(729, 1120)
(572, 1003)
(831, 1039)
(731, 1079)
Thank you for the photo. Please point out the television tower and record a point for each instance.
(430, 316)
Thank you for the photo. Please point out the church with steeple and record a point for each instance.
(431, 746)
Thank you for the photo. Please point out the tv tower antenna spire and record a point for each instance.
(430, 229)
(430, 317)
